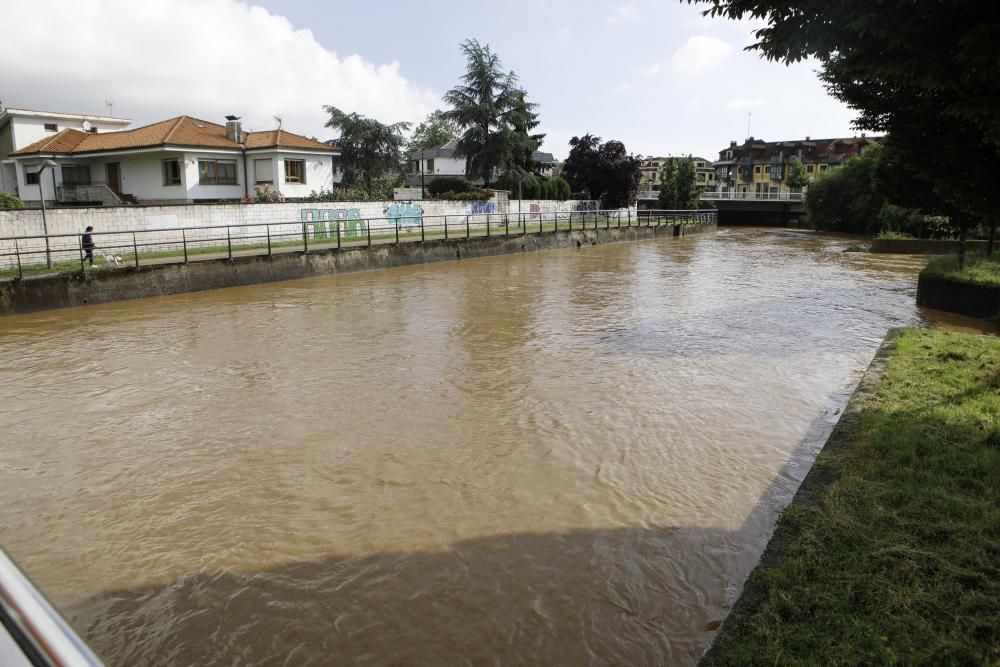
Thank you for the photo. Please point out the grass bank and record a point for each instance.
(891, 552)
(979, 269)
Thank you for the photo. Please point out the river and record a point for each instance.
(564, 457)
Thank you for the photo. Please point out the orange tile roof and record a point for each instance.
(182, 132)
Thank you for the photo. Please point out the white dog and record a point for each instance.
(113, 260)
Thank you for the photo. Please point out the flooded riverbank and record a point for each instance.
(568, 457)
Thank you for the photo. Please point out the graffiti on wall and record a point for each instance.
(478, 207)
(404, 214)
(325, 222)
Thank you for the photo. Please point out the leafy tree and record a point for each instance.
(436, 130)
(494, 116)
(667, 201)
(845, 199)
(480, 107)
(369, 150)
(686, 186)
(926, 75)
(605, 171)
(796, 178)
(520, 119)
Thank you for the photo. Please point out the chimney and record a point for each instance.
(807, 137)
(234, 131)
(732, 144)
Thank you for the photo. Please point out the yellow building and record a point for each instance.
(761, 167)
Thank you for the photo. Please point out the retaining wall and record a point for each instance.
(66, 290)
(320, 219)
(924, 246)
(970, 299)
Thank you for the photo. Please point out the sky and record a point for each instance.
(656, 75)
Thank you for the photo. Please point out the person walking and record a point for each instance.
(88, 245)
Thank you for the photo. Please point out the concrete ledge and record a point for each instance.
(923, 246)
(77, 289)
(816, 482)
(970, 299)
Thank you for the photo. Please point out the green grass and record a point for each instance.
(979, 269)
(894, 235)
(898, 560)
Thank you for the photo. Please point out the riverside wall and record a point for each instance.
(974, 300)
(924, 246)
(79, 288)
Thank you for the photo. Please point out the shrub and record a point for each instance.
(10, 201)
(562, 188)
(475, 194)
(264, 194)
(440, 186)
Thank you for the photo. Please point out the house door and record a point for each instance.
(114, 170)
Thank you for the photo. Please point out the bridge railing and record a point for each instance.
(753, 196)
(138, 247)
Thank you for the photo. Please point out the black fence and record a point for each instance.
(59, 252)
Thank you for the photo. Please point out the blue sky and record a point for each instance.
(656, 75)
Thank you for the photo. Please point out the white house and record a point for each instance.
(441, 162)
(23, 127)
(181, 160)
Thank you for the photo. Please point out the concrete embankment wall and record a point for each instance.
(67, 290)
(924, 246)
(970, 299)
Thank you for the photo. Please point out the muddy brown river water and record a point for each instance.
(565, 457)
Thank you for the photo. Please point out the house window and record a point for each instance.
(263, 171)
(172, 172)
(76, 174)
(30, 177)
(295, 171)
(217, 172)
(756, 169)
(51, 127)
(809, 169)
(822, 167)
(430, 166)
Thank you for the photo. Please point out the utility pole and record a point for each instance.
(422, 195)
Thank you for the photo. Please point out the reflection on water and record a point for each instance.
(560, 457)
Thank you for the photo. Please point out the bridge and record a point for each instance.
(773, 209)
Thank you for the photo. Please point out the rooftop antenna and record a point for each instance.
(111, 106)
(278, 118)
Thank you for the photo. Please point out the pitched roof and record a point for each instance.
(181, 132)
(812, 149)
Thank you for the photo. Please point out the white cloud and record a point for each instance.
(162, 58)
(745, 102)
(564, 34)
(700, 54)
(622, 14)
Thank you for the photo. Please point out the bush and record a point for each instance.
(10, 201)
(913, 223)
(440, 186)
(264, 194)
(475, 194)
(532, 186)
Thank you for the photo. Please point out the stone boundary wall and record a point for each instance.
(974, 300)
(924, 246)
(76, 289)
(319, 220)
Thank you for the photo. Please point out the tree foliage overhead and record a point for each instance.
(369, 150)
(924, 72)
(493, 115)
(605, 171)
(436, 130)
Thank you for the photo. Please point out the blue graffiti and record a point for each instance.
(477, 207)
(586, 206)
(404, 214)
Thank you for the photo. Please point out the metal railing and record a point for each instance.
(134, 248)
(45, 639)
(753, 196)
